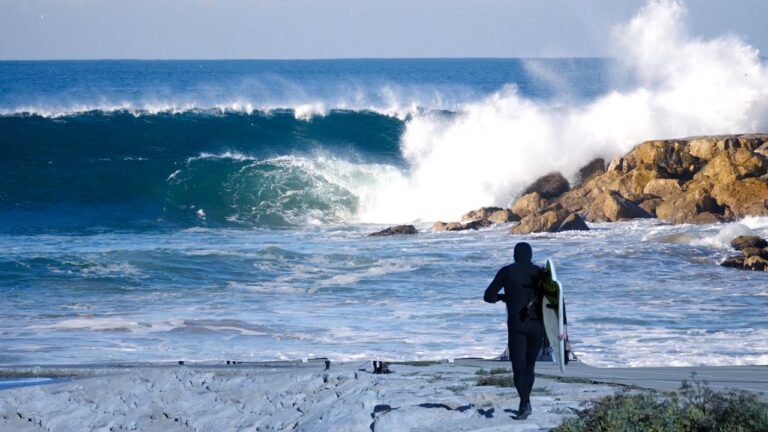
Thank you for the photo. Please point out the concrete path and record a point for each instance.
(749, 378)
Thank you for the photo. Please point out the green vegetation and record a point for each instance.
(496, 380)
(695, 408)
(494, 371)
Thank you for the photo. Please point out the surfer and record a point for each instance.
(525, 328)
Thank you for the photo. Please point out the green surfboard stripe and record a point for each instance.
(551, 289)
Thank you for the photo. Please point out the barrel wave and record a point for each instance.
(263, 169)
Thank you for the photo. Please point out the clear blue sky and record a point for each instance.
(272, 29)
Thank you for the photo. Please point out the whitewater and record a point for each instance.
(220, 210)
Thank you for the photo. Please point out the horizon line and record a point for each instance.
(298, 59)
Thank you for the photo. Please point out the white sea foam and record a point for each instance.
(486, 155)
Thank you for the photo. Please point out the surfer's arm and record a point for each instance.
(492, 292)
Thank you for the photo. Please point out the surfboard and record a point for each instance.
(552, 314)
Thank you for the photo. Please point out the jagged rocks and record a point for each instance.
(549, 186)
(395, 230)
(551, 220)
(611, 206)
(754, 254)
(447, 226)
(456, 226)
(592, 169)
(662, 188)
(492, 214)
(573, 222)
(528, 204)
(748, 242)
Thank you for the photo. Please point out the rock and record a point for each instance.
(528, 204)
(632, 184)
(683, 207)
(671, 157)
(756, 263)
(447, 226)
(751, 251)
(708, 218)
(662, 188)
(763, 150)
(593, 168)
(481, 213)
(573, 222)
(618, 164)
(745, 242)
(395, 230)
(611, 206)
(734, 262)
(503, 216)
(650, 205)
(734, 164)
(548, 221)
(747, 197)
(475, 225)
(549, 186)
(581, 197)
(703, 148)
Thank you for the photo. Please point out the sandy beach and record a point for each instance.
(283, 396)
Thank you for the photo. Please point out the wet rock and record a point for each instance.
(549, 186)
(478, 224)
(744, 242)
(754, 254)
(734, 262)
(573, 222)
(481, 213)
(756, 263)
(549, 221)
(395, 230)
(447, 226)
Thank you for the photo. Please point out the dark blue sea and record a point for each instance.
(220, 210)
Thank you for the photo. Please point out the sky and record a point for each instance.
(311, 29)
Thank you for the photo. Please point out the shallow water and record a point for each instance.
(638, 293)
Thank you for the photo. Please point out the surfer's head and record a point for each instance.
(523, 252)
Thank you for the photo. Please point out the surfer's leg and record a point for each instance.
(534, 341)
(517, 353)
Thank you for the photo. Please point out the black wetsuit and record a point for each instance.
(524, 324)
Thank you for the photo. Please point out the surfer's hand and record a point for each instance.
(564, 334)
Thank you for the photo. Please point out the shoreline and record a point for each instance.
(305, 396)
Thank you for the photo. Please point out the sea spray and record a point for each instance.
(493, 148)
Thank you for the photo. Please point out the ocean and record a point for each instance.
(220, 210)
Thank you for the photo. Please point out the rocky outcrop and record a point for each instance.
(754, 254)
(395, 230)
(691, 180)
(573, 222)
